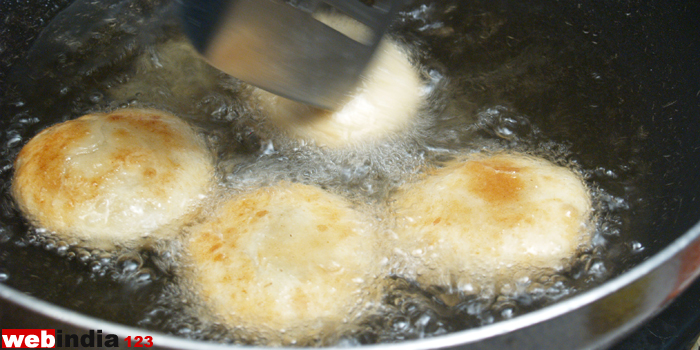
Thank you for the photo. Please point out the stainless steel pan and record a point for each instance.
(654, 44)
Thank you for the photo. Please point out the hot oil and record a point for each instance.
(494, 79)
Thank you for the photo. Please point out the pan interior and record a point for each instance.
(541, 78)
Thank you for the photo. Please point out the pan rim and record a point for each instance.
(468, 336)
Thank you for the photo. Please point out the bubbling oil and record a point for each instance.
(483, 86)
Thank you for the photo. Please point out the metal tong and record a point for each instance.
(282, 46)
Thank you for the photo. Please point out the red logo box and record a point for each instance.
(28, 338)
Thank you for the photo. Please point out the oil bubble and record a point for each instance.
(129, 263)
(4, 275)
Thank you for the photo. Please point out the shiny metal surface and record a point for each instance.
(284, 49)
(592, 320)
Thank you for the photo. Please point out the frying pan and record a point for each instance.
(649, 123)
